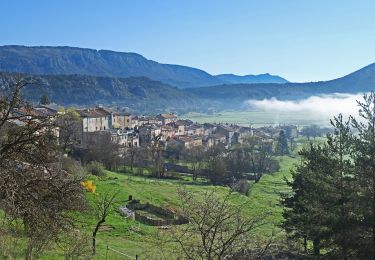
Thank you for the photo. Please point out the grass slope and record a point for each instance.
(133, 238)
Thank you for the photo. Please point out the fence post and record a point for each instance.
(136, 257)
(106, 253)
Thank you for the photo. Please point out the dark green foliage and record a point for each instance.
(333, 201)
(282, 147)
(364, 159)
(44, 100)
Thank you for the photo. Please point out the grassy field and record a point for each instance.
(259, 118)
(132, 238)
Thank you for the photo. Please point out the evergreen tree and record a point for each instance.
(343, 227)
(333, 201)
(304, 220)
(44, 100)
(364, 159)
(282, 144)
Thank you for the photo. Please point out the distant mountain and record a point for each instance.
(145, 95)
(117, 84)
(360, 81)
(71, 60)
(137, 93)
(251, 79)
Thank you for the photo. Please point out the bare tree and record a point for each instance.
(155, 150)
(102, 149)
(33, 187)
(131, 154)
(258, 156)
(217, 228)
(70, 126)
(217, 169)
(75, 244)
(104, 207)
(196, 156)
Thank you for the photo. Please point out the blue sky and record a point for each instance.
(301, 40)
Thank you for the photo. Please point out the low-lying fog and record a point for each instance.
(315, 108)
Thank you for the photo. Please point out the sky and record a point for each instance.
(301, 40)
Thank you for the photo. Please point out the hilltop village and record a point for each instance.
(128, 130)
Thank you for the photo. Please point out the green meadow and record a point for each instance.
(122, 235)
(260, 118)
(123, 238)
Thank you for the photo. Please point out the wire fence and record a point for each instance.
(109, 249)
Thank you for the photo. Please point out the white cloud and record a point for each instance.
(325, 105)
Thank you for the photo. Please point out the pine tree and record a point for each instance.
(282, 144)
(303, 216)
(364, 159)
(44, 100)
(343, 227)
(333, 200)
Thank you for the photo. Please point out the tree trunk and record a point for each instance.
(29, 251)
(94, 235)
(316, 248)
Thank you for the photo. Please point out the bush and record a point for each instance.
(95, 168)
(140, 171)
(242, 186)
(72, 166)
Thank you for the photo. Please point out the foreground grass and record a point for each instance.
(133, 238)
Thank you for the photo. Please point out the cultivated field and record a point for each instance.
(260, 118)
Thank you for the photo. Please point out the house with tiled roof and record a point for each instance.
(125, 138)
(167, 118)
(189, 141)
(214, 140)
(49, 110)
(195, 129)
(180, 126)
(95, 119)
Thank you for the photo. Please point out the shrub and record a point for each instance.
(95, 168)
(89, 186)
(241, 186)
(72, 166)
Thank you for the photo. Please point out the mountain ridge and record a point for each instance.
(66, 60)
(252, 79)
(139, 94)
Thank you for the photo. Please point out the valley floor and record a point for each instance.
(260, 118)
(123, 238)
(132, 238)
